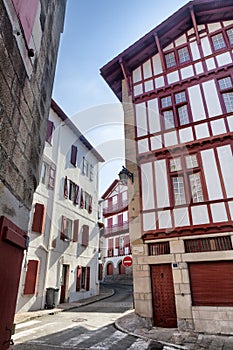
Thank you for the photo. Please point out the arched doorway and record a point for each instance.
(121, 268)
(109, 269)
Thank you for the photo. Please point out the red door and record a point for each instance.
(163, 296)
(64, 283)
(12, 245)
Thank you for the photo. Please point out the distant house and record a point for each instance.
(30, 34)
(115, 242)
(63, 228)
(176, 86)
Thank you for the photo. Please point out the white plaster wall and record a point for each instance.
(226, 162)
(170, 139)
(218, 211)
(196, 103)
(205, 44)
(147, 72)
(149, 221)
(173, 77)
(211, 175)
(157, 65)
(161, 184)
(137, 75)
(141, 119)
(202, 131)
(147, 186)
(156, 142)
(143, 146)
(159, 82)
(187, 72)
(218, 127)
(181, 217)
(186, 135)
(211, 98)
(153, 116)
(164, 218)
(212, 27)
(195, 51)
(181, 40)
(224, 59)
(200, 215)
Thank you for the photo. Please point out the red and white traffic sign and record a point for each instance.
(127, 261)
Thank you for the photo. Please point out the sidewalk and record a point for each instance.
(26, 316)
(137, 326)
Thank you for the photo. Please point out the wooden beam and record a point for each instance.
(194, 23)
(125, 75)
(160, 51)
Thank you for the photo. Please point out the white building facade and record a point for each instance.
(63, 228)
(176, 86)
(115, 242)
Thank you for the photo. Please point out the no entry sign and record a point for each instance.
(127, 261)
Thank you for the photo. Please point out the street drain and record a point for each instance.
(79, 320)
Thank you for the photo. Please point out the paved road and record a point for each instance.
(87, 327)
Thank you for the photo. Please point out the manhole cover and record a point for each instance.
(79, 320)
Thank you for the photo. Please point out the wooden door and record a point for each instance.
(12, 245)
(65, 269)
(164, 308)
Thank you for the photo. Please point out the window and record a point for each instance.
(183, 55)
(48, 174)
(175, 114)
(230, 35)
(76, 230)
(50, 129)
(26, 12)
(91, 172)
(226, 89)
(83, 278)
(85, 166)
(38, 218)
(159, 248)
(31, 277)
(73, 155)
(66, 229)
(186, 182)
(218, 41)
(170, 60)
(208, 244)
(44, 172)
(72, 190)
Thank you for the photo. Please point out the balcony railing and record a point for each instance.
(117, 228)
(115, 208)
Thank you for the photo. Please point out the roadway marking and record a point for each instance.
(82, 337)
(140, 344)
(113, 339)
(26, 324)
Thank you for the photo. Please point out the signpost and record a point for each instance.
(127, 261)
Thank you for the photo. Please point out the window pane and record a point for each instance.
(196, 188)
(166, 101)
(180, 97)
(175, 164)
(170, 60)
(228, 99)
(178, 190)
(168, 119)
(183, 115)
(183, 55)
(191, 161)
(218, 41)
(225, 83)
(230, 35)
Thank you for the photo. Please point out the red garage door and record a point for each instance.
(211, 283)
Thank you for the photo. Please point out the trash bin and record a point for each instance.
(51, 297)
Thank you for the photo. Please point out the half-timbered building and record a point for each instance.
(115, 242)
(176, 86)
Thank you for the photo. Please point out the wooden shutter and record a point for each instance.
(26, 11)
(88, 278)
(90, 205)
(117, 242)
(50, 129)
(73, 157)
(76, 194)
(63, 228)
(76, 228)
(52, 174)
(85, 235)
(109, 222)
(38, 218)
(81, 200)
(120, 221)
(66, 187)
(211, 283)
(31, 277)
(78, 279)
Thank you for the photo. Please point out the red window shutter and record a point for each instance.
(127, 242)
(63, 228)
(109, 222)
(110, 243)
(52, 174)
(120, 220)
(30, 286)
(78, 279)
(50, 129)
(26, 11)
(85, 235)
(76, 228)
(90, 205)
(117, 242)
(81, 200)
(76, 194)
(38, 218)
(73, 157)
(88, 278)
(66, 187)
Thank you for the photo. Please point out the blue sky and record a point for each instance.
(94, 33)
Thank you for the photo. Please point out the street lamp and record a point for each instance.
(124, 175)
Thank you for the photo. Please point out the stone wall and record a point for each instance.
(26, 88)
